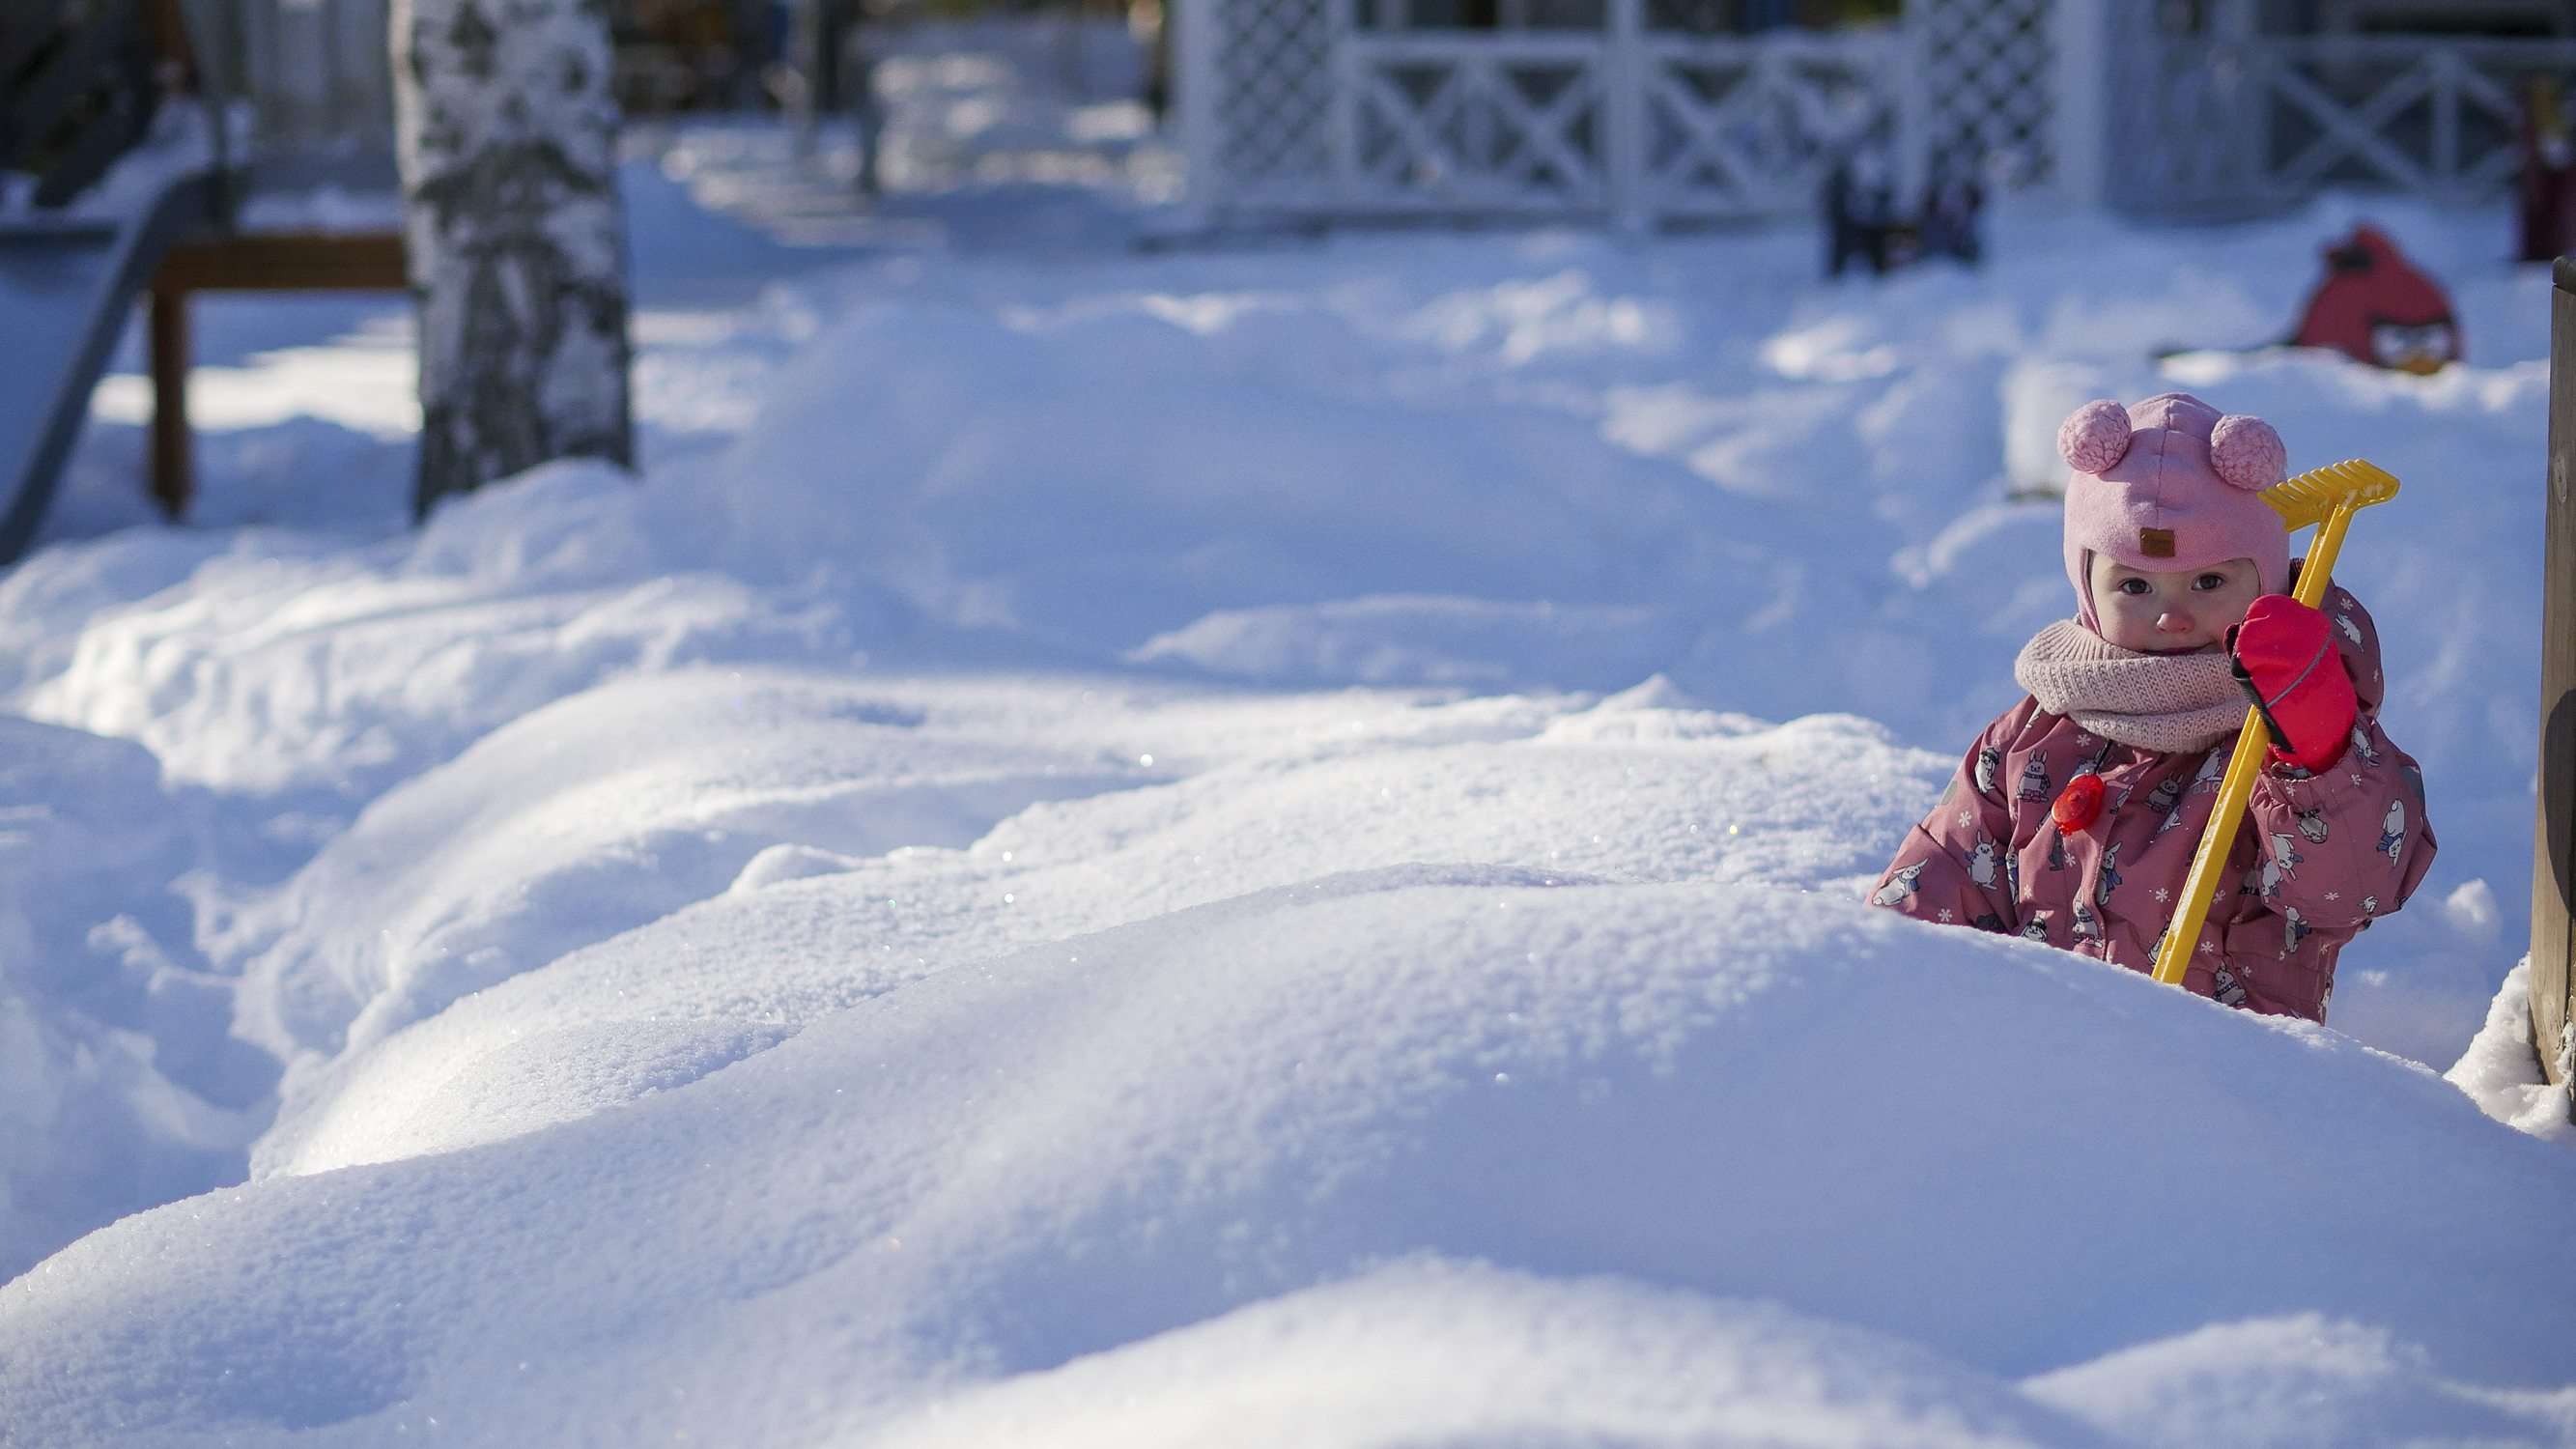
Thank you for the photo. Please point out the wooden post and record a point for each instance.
(171, 464)
(2553, 855)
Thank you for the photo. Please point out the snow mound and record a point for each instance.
(1282, 790)
(1434, 1351)
(2303, 1379)
(602, 812)
(2007, 1156)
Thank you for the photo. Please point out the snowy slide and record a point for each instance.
(69, 287)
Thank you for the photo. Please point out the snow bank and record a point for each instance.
(1440, 1351)
(1277, 791)
(610, 810)
(2005, 1156)
(1432, 1350)
(2297, 1380)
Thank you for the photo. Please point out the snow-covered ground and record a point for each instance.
(1248, 843)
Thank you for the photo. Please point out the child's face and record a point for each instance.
(2178, 613)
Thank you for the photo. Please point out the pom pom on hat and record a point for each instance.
(2095, 436)
(2246, 453)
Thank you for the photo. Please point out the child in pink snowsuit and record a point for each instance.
(2073, 819)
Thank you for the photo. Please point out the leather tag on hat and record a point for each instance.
(2156, 542)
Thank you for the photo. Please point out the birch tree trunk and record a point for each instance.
(507, 141)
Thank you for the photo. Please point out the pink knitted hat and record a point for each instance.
(2170, 486)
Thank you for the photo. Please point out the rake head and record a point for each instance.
(2313, 496)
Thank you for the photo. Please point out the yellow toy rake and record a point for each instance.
(2326, 498)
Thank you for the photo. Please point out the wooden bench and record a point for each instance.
(266, 262)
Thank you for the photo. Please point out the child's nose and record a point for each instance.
(2175, 620)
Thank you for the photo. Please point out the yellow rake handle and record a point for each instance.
(2234, 791)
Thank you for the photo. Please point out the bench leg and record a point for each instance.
(170, 440)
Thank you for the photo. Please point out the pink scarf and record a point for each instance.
(2169, 703)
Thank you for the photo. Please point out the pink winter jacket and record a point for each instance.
(2316, 859)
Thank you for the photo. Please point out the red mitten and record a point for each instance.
(2284, 657)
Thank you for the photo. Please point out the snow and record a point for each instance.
(119, 1088)
(1635, 791)
(1441, 1351)
(1253, 842)
(367, 383)
(2501, 1072)
(2295, 1380)
(998, 1168)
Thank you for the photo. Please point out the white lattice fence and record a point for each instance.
(1509, 125)
(1273, 99)
(1738, 128)
(2165, 109)
(1985, 91)
(1301, 112)
(2233, 122)
(2439, 119)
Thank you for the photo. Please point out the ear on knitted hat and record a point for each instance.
(2246, 453)
(2095, 436)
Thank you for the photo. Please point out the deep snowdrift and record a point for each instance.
(2013, 1158)
(1278, 790)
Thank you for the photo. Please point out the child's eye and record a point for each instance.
(2133, 586)
(2210, 581)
